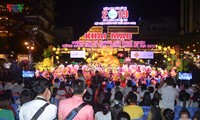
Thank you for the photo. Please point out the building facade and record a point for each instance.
(26, 20)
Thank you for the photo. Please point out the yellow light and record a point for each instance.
(165, 49)
(57, 57)
(57, 52)
(165, 56)
(54, 49)
(58, 49)
(169, 59)
(79, 48)
(32, 48)
(194, 50)
(86, 53)
(26, 43)
(159, 47)
(168, 47)
(172, 51)
(83, 49)
(27, 47)
(65, 49)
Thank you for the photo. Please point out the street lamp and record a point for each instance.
(30, 46)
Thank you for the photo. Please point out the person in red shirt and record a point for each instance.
(67, 105)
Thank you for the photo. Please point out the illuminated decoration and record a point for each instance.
(115, 16)
(113, 35)
(113, 44)
(142, 54)
(15, 8)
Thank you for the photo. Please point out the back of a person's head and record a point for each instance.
(151, 89)
(56, 80)
(129, 83)
(134, 88)
(132, 98)
(39, 85)
(184, 112)
(4, 101)
(8, 92)
(143, 87)
(117, 83)
(79, 71)
(123, 116)
(62, 85)
(186, 86)
(170, 81)
(26, 96)
(78, 86)
(157, 85)
(197, 115)
(147, 97)
(168, 114)
(155, 109)
(54, 92)
(119, 95)
(105, 106)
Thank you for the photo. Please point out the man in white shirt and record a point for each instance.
(28, 110)
(168, 93)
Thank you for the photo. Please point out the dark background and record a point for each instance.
(81, 14)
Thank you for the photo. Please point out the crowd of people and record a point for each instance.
(72, 98)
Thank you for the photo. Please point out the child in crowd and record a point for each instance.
(184, 114)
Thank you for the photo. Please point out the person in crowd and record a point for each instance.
(133, 109)
(56, 83)
(54, 96)
(128, 88)
(151, 90)
(80, 75)
(188, 89)
(62, 92)
(105, 113)
(123, 116)
(146, 101)
(197, 115)
(155, 112)
(196, 96)
(67, 105)
(8, 85)
(184, 114)
(143, 90)
(87, 97)
(17, 88)
(109, 83)
(116, 89)
(117, 104)
(184, 97)
(134, 89)
(108, 94)
(28, 110)
(167, 100)
(96, 84)
(26, 96)
(168, 114)
(5, 113)
(8, 92)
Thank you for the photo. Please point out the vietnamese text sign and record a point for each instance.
(109, 43)
(77, 54)
(142, 54)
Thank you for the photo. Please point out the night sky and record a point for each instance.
(81, 14)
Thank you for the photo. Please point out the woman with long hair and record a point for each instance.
(155, 112)
(146, 101)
